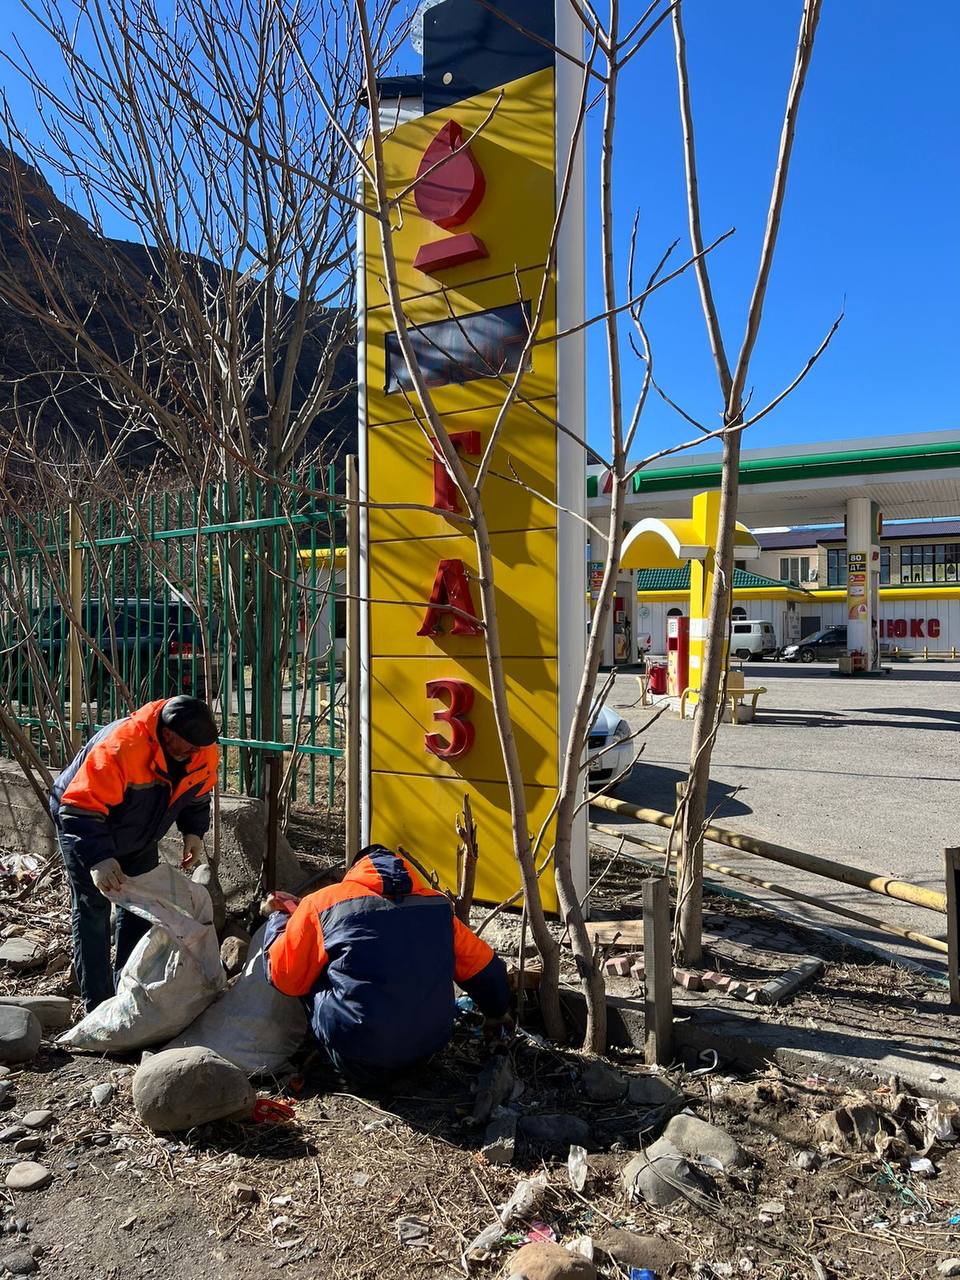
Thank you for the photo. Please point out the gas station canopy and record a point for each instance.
(671, 544)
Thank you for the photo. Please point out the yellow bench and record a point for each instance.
(737, 695)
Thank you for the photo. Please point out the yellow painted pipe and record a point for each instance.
(885, 926)
(873, 881)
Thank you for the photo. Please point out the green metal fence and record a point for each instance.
(229, 593)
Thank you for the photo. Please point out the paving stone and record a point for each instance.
(689, 979)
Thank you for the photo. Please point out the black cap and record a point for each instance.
(191, 719)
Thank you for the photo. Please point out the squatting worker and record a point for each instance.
(375, 958)
(113, 804)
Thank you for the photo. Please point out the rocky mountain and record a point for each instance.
(42, 377)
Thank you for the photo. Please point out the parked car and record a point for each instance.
(752, 638)
(152, 643)
(829, 642)
(609, 749)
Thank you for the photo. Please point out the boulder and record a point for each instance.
(661, 1175)
(179, 1088)
(558, 1132)
(22, 954)
(650, 1091)
(20, 1034)
(243, 844)
(696, 1139)
(629, 1249)
(54, 1013)
(602, 1083)
(545, 1261)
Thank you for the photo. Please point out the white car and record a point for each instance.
(609, 749)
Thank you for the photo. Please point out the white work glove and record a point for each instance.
(192, 848)
(107, 875)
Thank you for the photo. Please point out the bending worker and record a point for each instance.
(113, 804)
(376, 957)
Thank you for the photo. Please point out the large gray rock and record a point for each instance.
(650, 1091)
(243, 845)
(697, 1140)
(27, 1176)
(22, 954)
(54, 1013)
(661, 1175)
(179, 1088)
(602, 1083)
(20, 1034)
(558, 1132)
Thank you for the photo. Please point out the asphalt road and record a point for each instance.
(865, 771)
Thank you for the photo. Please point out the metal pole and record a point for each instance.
(874, 881)
(351, 662)
(76, 604)
(273, 823)
(658, 972)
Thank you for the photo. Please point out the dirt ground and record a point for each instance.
(378, 1186)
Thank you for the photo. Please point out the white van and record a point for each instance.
(752, 638)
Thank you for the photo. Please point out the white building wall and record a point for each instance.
(914, 616)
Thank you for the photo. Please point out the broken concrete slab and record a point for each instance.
(789, 983)
(20, 1034)
(243, 843)
(54, 1013)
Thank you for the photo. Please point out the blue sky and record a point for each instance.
(870, 225)
(870, 222)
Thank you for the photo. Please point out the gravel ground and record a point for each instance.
(862, 771)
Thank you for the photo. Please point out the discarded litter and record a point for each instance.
(923, 1166)
(272, 1111)
(413, 1232)
(540, 1231)
(527, 1197)
(577, 1168)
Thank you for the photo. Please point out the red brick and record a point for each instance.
(687, 979)
(713, 981)
(617, 966)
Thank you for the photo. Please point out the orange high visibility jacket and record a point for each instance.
(115, 798)
(376, 957)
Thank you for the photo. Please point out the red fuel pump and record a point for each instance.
(678, 655)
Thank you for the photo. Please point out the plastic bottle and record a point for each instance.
(642, 1273)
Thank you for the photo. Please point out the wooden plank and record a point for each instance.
(624, 935)
(658, 973)
(951, 859)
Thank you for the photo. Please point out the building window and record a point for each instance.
(738, 612)
(884, 566)
(795, 568)
(930, 562)
(836, 567)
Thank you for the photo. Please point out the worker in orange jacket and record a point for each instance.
(113, 803)
(375, 958)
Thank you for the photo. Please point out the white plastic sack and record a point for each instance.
(172, 974)
(252, 1025)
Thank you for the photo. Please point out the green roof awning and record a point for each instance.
(678, 580)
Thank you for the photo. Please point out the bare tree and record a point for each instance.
(732, 382)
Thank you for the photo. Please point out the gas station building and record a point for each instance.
(865, 533)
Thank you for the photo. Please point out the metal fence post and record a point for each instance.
(951, 858)
(273, 822)
(76, 604)
(351, 663)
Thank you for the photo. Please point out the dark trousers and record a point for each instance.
(90, 926)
